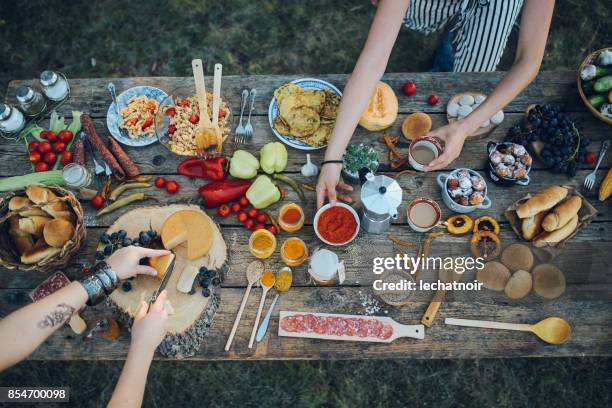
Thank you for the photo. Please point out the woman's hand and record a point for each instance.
(453, 135)
(149, 329)
(125, 261)
(329, 180)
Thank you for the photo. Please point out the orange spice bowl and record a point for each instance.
(291, 225)
(325, 208)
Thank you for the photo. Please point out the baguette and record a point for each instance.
(18, 203)
(532, 226)
(556, 236)
(542, 201)
(562, 213)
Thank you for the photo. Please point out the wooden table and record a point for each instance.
(586, 261)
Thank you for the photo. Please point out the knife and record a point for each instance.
(164, 281)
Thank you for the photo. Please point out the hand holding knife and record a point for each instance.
(164, 281)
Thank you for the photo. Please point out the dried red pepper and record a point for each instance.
(213, 169)
(221, 192)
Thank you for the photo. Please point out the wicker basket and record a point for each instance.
(9, 256)
(583, 96)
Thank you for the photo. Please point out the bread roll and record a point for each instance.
(39, 252)
(61, 212)
(23, 243)
(33, 211)
(19, 203)
(58, 232)
(557, 235)
(532, 226)
(544, 200)
(562, 213)
(33, 225)
(14, 227)
(39, 194)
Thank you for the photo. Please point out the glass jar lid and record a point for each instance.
(5, 111)
(24, 94)
(48, 78)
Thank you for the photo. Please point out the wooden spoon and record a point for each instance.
(264, 292)
(553, 330)
(253, 274)
(205, 132)
(216, 102)
(446, 276)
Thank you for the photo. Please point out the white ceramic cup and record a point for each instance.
(433, 205)
(427, 142)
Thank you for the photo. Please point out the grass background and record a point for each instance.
(156, 38)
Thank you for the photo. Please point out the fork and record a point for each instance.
(98, 168)
(111, 89)
(589, 180)
(249, 128)
(240, 131)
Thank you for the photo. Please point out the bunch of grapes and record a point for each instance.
(564, 148)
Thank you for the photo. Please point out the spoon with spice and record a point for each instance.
(267, 281)
(253, 274)
(283, 283)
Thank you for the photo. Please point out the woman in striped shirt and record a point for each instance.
(479, 30)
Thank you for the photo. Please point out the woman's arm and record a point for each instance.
(535, 23)
(24, 330)
(148, 331)
(367, 72)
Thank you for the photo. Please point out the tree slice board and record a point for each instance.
(480, 132)
(192, 314)
(416, 331)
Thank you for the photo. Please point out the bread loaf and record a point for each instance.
(58, 232)
(532, 226)
(544, 200)
(562, 213)
(33, 225)
(18, 203)
(39, 252)
(39, 194)
(558, 235)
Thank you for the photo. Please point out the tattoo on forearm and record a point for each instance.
(58, 317)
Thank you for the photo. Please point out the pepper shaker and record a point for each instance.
(30, 101)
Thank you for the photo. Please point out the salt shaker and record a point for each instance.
(54, 86)
(11, 119)
(30, 101)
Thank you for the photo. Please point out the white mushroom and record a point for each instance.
(464, 110)
(479, 99)
(485, 124)
(497, 118)
(452, 108)
(466, 100)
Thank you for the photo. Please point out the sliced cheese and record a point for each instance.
(160, 264)
(188, 226)
(185, 282)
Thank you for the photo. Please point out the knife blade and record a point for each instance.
(164, 281)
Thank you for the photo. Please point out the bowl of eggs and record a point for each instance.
(509, 164)
(463, 104)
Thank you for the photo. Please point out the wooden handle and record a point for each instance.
(216, 93)
(77, 324)
(485, 324)
(198, 77)
(416, 331)
(261, 305)
(432, 309)
(238, 316)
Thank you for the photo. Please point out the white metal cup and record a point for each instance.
(430, 143)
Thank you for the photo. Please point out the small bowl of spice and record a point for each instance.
(294, 251)
(357, 157)
(291, 217)
(262, 243)
(337, 224)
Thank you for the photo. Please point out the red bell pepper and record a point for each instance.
(222, 192)
(210, 169)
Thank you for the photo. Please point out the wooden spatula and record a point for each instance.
(446, 276)
(216, 103)
(205, 134)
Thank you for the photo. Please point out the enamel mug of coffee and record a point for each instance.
(423, 151)
(423, 214)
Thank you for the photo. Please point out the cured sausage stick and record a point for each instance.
(129, 167)
(95, 140)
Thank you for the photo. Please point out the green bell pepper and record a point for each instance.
(243, 165)
(263, 192)
(273, 157)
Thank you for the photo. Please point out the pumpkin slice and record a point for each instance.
(382, 109)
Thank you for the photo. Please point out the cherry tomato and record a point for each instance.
(194, 118)
(171, 129)
(223, 210)
(589, 158)
(272, 229)
(59, 147)
(66, 158)
(244, 201)
(262, 217)
(171, 112)
(172, 187)
(183, 103)
(147, 123)
(221, 113)
(98, 201)
(43, 134)
(50, 158)
(41, 166)
(52, 136)
(160, 182)
(252, 213)
(409, 88)
(242, 216)
(258, 226)
(33, 146)
(65, 136)
(44, 147)
(433, 99)
(249, 224)
(35, 157)
(236, 207)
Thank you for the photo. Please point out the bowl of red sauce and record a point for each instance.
(336, 224)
